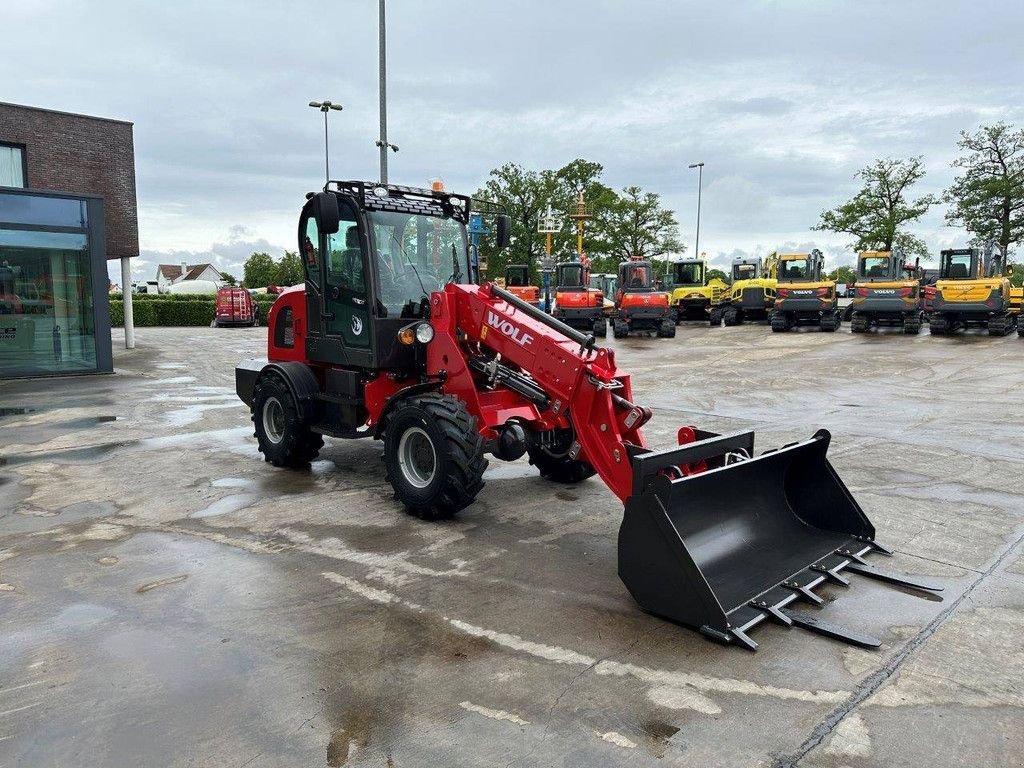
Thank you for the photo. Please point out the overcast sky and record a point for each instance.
(784, 100)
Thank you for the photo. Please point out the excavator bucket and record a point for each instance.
(720, 540)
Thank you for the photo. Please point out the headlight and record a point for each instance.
(424, 333)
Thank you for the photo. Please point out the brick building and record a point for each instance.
(67, 205)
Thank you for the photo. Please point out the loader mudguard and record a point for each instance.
(721, 550)
(297, 376)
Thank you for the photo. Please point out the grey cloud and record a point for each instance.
(784, 100)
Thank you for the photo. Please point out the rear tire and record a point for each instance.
(912, 325)
(553, 459)
(434, 455)
(284, 438)
(715, 317)
(779, 322)
(601, 328)
(858, 323)
(730, 317)
(938, 325)
(668, 329)
(619, 329)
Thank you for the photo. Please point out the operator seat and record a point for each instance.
(958, 271)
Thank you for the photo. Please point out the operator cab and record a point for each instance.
(746, 269)
(877, 265)
(959, 264)
(372, 255)
(687, 273)
(517, 276)
(636, 276)
(571, 276)
(801, 267)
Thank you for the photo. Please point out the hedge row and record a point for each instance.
(175, 313)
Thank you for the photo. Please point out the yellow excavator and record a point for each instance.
(693, 294)
(752, 293)
(974, 290)
(804, 295)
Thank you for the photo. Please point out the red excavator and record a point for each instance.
(389, 340)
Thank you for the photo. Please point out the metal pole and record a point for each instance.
(700, 184)
(327, 157)
(383, 99)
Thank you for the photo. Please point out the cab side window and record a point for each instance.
(311, 251)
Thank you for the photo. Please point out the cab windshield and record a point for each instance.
(794, 269)
(415, 255)
(515, 277)
(570, 276)
(874, 266)
(744, 271)
(688, 274)
(957, 266)
(637, 277)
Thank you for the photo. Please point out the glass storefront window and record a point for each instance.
(47, 319)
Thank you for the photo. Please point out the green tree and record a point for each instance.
(988, 199)
(843, 274)
(526, 195)
(877, 214)
(713, 273)
(229, 278)
(289, 270)
(636, 225)
(259, 271)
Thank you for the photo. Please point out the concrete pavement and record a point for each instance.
(166, 598)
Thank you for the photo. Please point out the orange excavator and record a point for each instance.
(517, 282)
(639, 308)
(577, 304)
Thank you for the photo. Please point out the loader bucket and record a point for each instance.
(724, 549)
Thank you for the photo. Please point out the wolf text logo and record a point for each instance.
(514, 332)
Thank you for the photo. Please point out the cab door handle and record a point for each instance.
(360, 302)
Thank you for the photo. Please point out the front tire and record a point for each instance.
(434, 455)
(284, 437)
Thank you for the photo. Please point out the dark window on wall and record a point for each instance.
(284, 329)
(12, 165)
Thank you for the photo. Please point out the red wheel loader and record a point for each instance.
(388, 340)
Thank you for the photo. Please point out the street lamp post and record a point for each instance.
(700, 183)
(325, 107)
(382, 143)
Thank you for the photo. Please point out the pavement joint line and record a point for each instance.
(880, 677)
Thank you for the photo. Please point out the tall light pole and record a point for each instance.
(325, 107)
(382, 142)
(700, 183)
